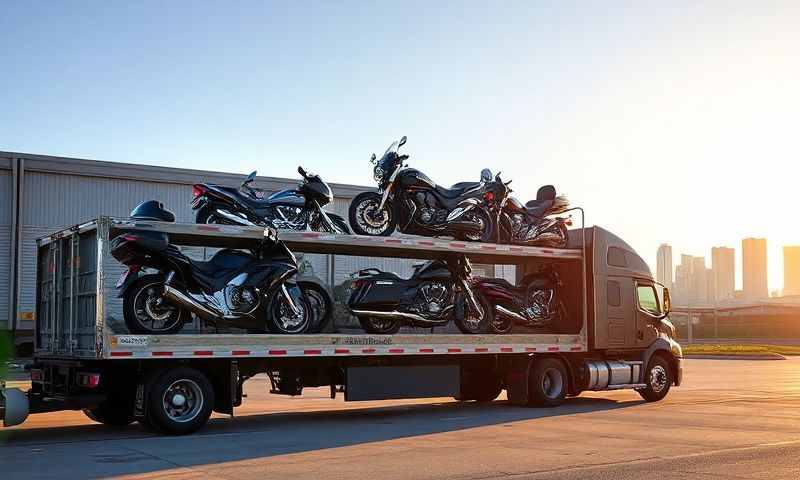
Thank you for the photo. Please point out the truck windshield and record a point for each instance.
(648, 299)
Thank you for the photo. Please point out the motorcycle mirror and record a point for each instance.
(402, 141)
(372, 158)
(250, 178)
(486, 175)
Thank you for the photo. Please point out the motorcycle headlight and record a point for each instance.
(378, 174)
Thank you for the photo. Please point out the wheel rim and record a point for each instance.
(480, 220)
(151, 309)
(370, 219)
(183, 400)
(471, 319)
(552, 383)
(382, 324)
(317, 305)
(289, 322)
(658, 378)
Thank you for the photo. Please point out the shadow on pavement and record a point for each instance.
(267, 435)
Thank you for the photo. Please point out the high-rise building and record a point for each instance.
(723, 270)
(754, 268)
(791, 270)
(699, 293)
(664, 265)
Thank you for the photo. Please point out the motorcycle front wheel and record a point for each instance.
(380, 326)
(472, 323)
(147, 312)
(366, 219)
(282, 320)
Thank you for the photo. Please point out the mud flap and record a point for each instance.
(517, 380)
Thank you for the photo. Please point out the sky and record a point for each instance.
(667, 121)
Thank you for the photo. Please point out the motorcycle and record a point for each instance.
(255, 291)
(535, 303)
(297, 209)
(437, 292)
(533, 224)
(408, 199)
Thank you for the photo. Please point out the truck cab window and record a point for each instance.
(648, 299)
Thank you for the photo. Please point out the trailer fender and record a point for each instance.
(671, 349)
(14, 406)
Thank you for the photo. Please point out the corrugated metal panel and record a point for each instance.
(6, 204)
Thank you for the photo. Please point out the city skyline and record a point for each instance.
(692, 281)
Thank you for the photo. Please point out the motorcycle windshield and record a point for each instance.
(391, 152)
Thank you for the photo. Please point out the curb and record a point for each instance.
(766, 356)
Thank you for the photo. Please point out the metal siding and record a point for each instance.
(6, 204)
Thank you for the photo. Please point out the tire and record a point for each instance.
(320, 303)
(179, 401)
(501, 325)
(281, 321)
(138, 311)
(477, 326)
(547, 384)
(115, 415)
(367, 203)
(206, 216)
(487, 234)
(658, 377)
(380, 326)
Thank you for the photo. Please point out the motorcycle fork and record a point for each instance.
(473, 302)
(289, 300)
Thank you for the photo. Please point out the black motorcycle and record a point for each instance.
(408, 199)
(254, 291)
(533, 224)
(534, 303)
(292, 209)
(437, 292)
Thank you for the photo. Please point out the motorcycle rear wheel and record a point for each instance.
(143, 306)
(486, 234)
(320, 303)
(380, 326)
(206, 216)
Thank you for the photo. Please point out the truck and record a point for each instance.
(616, 335)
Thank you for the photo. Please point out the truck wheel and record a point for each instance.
(180, 401)
(112, 415)
(658, 379)
(547, 383)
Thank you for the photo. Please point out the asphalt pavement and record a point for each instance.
(731, 419)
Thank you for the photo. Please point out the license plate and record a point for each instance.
(122, 278)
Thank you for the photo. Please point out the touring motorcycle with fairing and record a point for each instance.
(256, 291)
(291, 209)
(534, 303)
(439, 291)
(409, 200)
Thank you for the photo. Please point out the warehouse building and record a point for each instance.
(42, 194)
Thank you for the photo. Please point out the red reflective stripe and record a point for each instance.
(506, 349)
(121, 354)
(342, 350)
(393, 240)
(240, 352)
(488, 247)
(547, 251)
(311, 234)
(276, 352)
(425, 350)
(552, 349)
(453, 350)
(396, 350)
(312, 352)
(367, 350)
(530, 349)
(203, 353)
(162, 354)
(457, 245)
(576, 348)
(481, 349)
(209, 228)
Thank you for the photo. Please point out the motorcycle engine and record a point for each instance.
(431, 299)
(241, 299)
(289, 218)
(428, 211)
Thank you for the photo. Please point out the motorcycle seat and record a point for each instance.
(221, 264)
(456, 190)
(498, 281)
(537, 208)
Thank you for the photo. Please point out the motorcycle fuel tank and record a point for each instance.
(411, 178)
(289, 198)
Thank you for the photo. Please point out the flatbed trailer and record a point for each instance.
(85, 360)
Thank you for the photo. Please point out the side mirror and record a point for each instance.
(250, 178)
(486, 175)
(372, 158)
(667, 302)
(402, 141)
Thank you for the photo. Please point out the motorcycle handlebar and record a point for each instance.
(301, 171)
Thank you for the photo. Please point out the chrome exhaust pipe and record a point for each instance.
(236, 218)
(182, 300)
(393, 315)
(508, 313)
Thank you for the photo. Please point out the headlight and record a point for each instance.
(378, 174)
